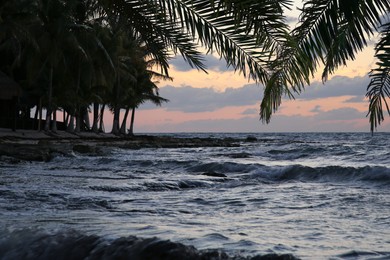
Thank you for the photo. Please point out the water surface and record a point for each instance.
(312, 195)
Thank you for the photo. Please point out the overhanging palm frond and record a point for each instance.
(290, 72)
(146, 18)
(329, 33)
(252, 36)
(332, 32)
(378, 91)
(245, 33)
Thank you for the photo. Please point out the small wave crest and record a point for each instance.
(32, 244)
(375, 174)
(296, 153)
(175, 185)
(365, 255)
(224, 167)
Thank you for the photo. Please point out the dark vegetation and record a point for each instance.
(73, 56)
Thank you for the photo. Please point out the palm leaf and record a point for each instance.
(245, 33)
(146, 18)
(329, 33)
(378, 91)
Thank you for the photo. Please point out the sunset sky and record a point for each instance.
(224, 101)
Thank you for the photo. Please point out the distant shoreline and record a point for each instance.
(32, 145)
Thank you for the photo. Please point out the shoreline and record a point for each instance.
(31, 145)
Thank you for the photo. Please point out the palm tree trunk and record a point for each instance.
(123, 126)
(77, 110)
(54, 122)
(35, 116)
(101, 124)
(48, 112)
(78, 121)
(70, 127)
(115, 122)
(86, 121)
(48, 119)
(95, 117)
(40, 115)
(131, 129)
(66, 118)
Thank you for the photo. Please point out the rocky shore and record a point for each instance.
(27, 145)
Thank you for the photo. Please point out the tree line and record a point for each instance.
(76, 56)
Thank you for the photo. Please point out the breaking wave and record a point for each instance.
(39, 245)
(338, 174)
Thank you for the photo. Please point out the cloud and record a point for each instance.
(356, 99)
(316, 109)
(250, 111)
(338, 120)
(346, 113)
(337, 86)
(211, 62)
(189, 100)
(339, 105)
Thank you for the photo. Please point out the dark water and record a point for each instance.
(311, 196)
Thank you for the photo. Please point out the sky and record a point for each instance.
(224, 101)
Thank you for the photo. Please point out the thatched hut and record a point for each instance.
(10, 92)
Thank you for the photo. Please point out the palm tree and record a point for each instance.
(55, 37)
(147, 91)
(122, 52)
(143, 90)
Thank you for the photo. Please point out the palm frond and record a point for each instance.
(378, 91)
(290, 72)
(245, 33)
(330, 33)
(146, 18)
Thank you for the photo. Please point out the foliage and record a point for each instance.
(70, 54)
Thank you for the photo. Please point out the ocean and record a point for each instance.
(292, 195)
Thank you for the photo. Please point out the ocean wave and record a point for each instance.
(296, 153)
(225, 167)
(155, 186)
(372, 174)
(373, 255)
(40, 245)
(176, 185)
(375, 174)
